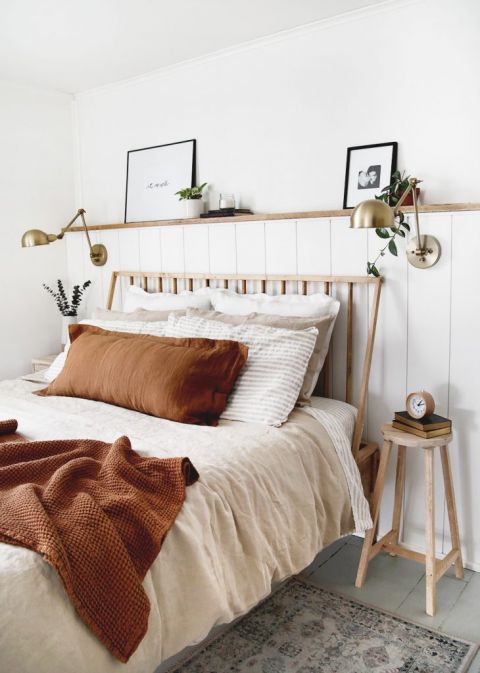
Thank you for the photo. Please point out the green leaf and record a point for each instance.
(401, 233)
(372, 270)
(383, 233)
(405, 225)
(392, 247)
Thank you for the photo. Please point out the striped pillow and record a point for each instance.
(268, 385)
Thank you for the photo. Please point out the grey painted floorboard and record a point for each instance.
(398, 585)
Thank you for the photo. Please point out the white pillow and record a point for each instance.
(56, 367)
(299, 305)
(136, 298)
(268, 385)
(135, 327)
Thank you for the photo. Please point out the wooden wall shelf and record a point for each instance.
(436, 208)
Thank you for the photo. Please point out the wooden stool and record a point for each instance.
(435, 568)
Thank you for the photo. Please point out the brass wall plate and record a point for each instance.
(99, 254)
(431, 255)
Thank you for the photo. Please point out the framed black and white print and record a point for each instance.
(154, 174)
(369, 170)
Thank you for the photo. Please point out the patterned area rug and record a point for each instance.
(304, 629)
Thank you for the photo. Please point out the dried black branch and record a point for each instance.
(65, 307)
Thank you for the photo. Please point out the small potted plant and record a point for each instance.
(193, 200)
(68, 309)
(392, 193)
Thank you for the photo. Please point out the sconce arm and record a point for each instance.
(412, 187)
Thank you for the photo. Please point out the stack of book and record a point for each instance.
(428, 427)
(227, 212)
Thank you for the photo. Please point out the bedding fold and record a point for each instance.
(98, 513)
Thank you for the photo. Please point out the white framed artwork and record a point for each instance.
(154, 174)
(369, 170)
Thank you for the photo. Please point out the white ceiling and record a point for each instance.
(74, 45)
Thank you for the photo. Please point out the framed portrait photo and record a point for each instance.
(154, 174)
(369, 170)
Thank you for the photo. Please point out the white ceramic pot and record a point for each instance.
(67, 320)
(193, 207)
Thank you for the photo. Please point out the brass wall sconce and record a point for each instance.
(422, 251)
(98, 252)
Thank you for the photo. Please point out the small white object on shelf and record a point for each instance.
(226, 201)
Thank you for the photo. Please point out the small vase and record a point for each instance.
(193, 208)
(67, 320)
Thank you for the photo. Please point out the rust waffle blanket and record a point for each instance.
(98, 513)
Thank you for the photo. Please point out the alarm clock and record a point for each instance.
(420, 404)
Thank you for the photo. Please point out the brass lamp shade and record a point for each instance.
(34, 237)
(372, 214)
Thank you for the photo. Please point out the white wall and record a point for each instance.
(36, 191)
(273, 120)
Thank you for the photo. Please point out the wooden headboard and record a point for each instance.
(175, 282)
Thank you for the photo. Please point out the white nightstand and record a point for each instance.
(43, 362)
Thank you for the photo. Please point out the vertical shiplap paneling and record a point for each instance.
(150, 252)
(94, 297)
(464, 390)
(110, 239)
(250, 244)
(129, 252)
(428, 366)
(222, 248)
(281, 247)
(173, 258)
(75, 261)
(129, 255)
(313, 247)
(281, 251)
(389, 363)
(75, 243)
(196, 248)
(349, 257)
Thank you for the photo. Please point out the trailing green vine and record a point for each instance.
(391, 245)
(391, 195)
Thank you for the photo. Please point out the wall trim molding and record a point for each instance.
(256, 43)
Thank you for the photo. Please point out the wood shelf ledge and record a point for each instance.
(256, 217)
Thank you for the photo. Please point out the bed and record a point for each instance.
(268, 500)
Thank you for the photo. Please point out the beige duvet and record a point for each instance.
(267, 501)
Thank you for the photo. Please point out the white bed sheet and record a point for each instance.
(267, 501)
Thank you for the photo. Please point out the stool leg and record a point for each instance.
(399, 486)
(430, 533)
(452, 510)
(377, 496)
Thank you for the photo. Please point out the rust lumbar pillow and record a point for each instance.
(184, 380)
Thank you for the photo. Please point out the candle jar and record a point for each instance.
(226, 201)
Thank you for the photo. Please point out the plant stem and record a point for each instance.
(380, 254)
